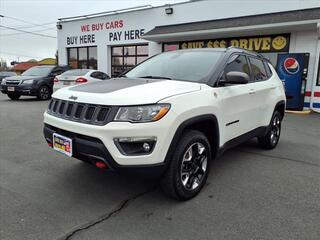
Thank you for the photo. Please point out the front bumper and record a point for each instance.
(101, 140)
(92, 150)
(20, 89)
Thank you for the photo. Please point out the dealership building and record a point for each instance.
(285, 32)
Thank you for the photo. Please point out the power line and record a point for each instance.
(33, 26)
(33, 33)
(14, 34)
(24, 21)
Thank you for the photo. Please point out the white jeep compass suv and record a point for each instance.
(170, 116)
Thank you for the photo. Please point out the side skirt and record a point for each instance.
(258, 132)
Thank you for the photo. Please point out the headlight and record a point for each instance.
(28, 81)
(147, 113)
(3, 82)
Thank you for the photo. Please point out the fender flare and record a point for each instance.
(281, 103)
(185, 125)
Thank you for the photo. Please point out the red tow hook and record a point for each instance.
(101, 165)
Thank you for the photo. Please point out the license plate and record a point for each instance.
(62, 144)
(66, 83)
(11, 89)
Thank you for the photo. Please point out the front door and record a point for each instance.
(238, 107)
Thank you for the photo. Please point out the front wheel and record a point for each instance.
(189, 166)
(271, 139)
(44, 93)
(14, 96)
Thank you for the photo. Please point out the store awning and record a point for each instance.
(280, 21)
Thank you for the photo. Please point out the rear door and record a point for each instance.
(261, 90)
(238, 109)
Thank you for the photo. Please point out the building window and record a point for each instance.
(73, 57)
(123, 58)
(83, 57)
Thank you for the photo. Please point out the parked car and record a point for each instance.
(36, 81)
(4, 74)
(78, 76)
(171, 115)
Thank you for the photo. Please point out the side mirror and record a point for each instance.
(53, 74)
(237, 78)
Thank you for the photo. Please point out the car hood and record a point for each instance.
(19, 78)
(126, 91)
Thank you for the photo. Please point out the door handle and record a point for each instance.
(252, 91)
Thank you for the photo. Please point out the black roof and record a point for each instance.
(268, 18)
(229, 49)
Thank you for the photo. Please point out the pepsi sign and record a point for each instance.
(291, 65)
(292, 70)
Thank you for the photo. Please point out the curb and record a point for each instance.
(306, 112)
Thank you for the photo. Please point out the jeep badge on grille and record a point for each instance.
(73, 98)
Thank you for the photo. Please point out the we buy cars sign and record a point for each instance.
(115, 31)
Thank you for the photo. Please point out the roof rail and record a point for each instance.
(246, 50)
(106, 13)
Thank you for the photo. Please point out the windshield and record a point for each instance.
(7, 74)
(177, 65)
(76, 72)
(37, 71)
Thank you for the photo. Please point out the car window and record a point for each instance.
(57, 71)
(96, 74)
(76, 72)
(99, 75)
(258, 70)
(237, 63)
(191, 66)
(105, 76)
(267, 67)
(40, 71)
(7, 74)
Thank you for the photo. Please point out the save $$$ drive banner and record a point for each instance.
(270, 43)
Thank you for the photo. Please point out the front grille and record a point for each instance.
(12, 82)
(80, 112)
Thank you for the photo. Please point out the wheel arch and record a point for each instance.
(281, 107)
(204, 123)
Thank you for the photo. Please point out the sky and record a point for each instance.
(27, 15)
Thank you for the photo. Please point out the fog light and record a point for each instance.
(146, 147)
(133, 146)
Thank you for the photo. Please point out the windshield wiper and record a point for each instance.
(156, 77)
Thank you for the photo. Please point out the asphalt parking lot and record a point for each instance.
(251, 193)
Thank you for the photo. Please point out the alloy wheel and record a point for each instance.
(275, 130)
(44, 92)
(194, 166)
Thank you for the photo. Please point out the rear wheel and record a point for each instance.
(44, 93)
(14, 96)
(189, 166)
(271, 139)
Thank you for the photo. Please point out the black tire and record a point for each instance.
(44, 93)
(185, 178)
(271, 139)
(14, 96)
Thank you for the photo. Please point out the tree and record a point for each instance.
(3, 65)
